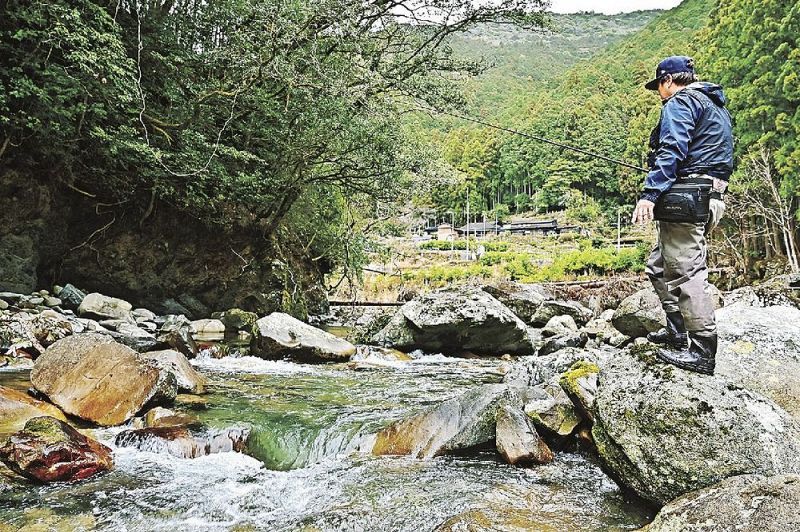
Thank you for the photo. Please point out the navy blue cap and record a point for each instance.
(671, 65)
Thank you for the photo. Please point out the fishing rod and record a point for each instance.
(535, 137)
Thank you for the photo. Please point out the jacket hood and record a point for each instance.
(712, 90)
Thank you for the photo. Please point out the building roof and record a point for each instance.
(478, 226)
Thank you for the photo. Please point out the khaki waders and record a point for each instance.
(677, 268)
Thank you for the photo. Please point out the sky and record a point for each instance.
(610, 7)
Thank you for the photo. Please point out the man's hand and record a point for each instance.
(643, 213)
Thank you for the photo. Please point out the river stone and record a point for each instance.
(16, 408)
(559, 326)
(553, 345)
(71, 297)
(455, 320)
(97, 379)
(208, 330)
(551, 409)
(187, 378)
(533, 370)
(98, 306)
(185, 441)
(237, 319)
(639, 314)
(663, 432)
(517, 439)
(745, 503)
(458, 423)
(176, 333)
(523, 299)
(580, 385)
(49, 450)
(280, 335)
(550, 309)
(760, 350)
(603, 329)
(135, 337)
(164, 417)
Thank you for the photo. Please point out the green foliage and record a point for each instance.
(585, 262)
(599, 105)
(752, 47)
(277, 119)
(444, 245)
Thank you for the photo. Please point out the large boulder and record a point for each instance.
(663, 432)
(517, 439)
(639, 314)
(642, 313)
(49, 450)
(459, 423)
(280, 336)
(96, 305)
(16, 408)
(523, 299)
(186, 377)
(97, 379)
(760, 350)
(781, 290)
(746, 503)
(456, 320)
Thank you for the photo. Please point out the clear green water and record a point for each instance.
(309, 423)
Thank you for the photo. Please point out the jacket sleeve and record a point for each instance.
(678, 119)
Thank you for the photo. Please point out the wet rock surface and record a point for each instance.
(185, 441)
(49, 450)
(664, 432)
(747, 503)
(459, 423)
(517, 439)
(92, 377)
(16, 408)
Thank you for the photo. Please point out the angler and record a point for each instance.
(690, 163)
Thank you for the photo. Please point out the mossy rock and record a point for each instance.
(237, 319)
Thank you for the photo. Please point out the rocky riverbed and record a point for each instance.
(472, 408)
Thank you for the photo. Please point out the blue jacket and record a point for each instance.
(693, 137)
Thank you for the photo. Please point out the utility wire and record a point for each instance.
(534, 137)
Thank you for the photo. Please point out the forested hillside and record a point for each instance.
(749, 47)
(599, 104)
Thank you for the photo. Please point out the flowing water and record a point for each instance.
(310, 426)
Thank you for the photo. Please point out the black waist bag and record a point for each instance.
(687, 201)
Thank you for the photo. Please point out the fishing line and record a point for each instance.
(535, 137)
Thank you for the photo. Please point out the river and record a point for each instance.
(309, 472)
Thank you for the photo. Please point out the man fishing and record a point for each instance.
(691, 159)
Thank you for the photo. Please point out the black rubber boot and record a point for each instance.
(699, 357)
(674, 335)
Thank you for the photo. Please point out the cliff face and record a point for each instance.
(169, 261)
